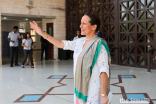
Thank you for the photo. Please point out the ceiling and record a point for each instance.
(23, 17)
(6, 18)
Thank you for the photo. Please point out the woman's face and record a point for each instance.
(86, 27)
(28, 35)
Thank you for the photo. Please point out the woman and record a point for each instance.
(91, 61)
(27, 46)
(27, 61)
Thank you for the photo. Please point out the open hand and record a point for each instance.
(104, 100)
(35, 26)
(27, 46)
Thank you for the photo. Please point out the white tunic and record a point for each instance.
(76, 38)
(100, 66)
(14, 36)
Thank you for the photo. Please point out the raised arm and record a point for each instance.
(58, 43)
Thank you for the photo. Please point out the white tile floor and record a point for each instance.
(15, 82)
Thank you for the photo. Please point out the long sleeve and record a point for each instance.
(69, 45)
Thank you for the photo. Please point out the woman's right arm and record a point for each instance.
(58, 43)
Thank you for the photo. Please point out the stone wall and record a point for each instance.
(40, 7)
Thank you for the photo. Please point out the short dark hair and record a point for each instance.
(94, 20)
(15, 27)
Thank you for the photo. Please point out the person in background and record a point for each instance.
(27, 62)
(13, 38)
(99, 34)
(44, 46)
(27, 46)
(78, 35)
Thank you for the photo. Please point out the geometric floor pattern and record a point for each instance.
(129, 96)
(31, 86)
(39, 97)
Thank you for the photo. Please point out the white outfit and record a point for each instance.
(27, 42)
(76, 38)
(13, 37)
(100, 66)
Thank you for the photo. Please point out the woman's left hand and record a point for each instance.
(104, 99)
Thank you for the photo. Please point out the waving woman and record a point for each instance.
(91, 61)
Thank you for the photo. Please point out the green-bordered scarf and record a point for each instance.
(85, 64)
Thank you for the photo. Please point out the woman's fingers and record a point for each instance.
(32, 25)
(35, 23)
(35, 27)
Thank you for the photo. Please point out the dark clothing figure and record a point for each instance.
(99, 34)
(44, 46)
(13, 50)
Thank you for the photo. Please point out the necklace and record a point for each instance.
(90, 38)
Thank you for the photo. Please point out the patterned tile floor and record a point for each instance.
(51, 82)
